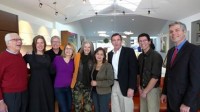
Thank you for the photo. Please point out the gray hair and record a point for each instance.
(8, 37)
(55, 37)
(182, 25)
(91, 47)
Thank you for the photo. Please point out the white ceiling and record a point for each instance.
(112, 18)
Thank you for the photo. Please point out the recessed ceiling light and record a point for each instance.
(103, 35)
(101, 31)
(123, 36)
(128, 32)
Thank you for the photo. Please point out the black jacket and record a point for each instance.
(127, 69)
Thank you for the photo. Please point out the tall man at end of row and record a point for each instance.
(181, 85)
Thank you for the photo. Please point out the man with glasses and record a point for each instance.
(13, 76)
(54, 51)
(150, 66)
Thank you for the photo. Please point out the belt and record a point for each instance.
(116, 79)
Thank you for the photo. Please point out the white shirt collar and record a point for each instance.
(11, 52)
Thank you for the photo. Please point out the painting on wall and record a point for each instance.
(73, 39)
(163, 43)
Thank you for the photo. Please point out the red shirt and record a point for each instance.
(13, 73)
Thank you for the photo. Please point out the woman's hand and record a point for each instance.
(93, 83)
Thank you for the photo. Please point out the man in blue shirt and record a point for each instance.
(181, 85)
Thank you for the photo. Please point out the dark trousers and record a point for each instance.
(101, 102)
(16, 102)
(64, 98)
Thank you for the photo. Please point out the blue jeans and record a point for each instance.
(64, 98)
(101, 102)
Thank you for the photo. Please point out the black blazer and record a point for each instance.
(127, 69)
(182, 79)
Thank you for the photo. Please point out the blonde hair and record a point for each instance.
(73, 52)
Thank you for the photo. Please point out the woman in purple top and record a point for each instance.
(64, 66)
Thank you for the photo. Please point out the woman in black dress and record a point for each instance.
(41, 98)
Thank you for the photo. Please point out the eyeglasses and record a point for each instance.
(55, 41)
(16, 39)
(140, 41)
(70, 49)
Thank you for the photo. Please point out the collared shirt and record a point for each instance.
(11, 52)
(150, 65)
(180, 46)
(115, 62)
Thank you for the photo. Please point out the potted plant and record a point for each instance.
(106, 40)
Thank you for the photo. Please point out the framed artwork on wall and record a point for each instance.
(73, 38)
(163, 43)
(198, 38)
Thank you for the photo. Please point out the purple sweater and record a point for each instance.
(64, 72)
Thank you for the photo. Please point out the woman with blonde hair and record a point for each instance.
(81, 78)
(64, 66)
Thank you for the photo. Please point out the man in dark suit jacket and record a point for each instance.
(125, 67)
(181, 85)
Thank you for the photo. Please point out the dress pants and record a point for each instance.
(16, 102)
(152, 102)
(120, 103)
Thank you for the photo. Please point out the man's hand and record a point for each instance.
(130, 93)
(3, 107)
(184, 108)
(140, 90)
(163, 98)
(143, 94)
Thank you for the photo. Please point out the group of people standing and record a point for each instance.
(87, 77)
(181, 90)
